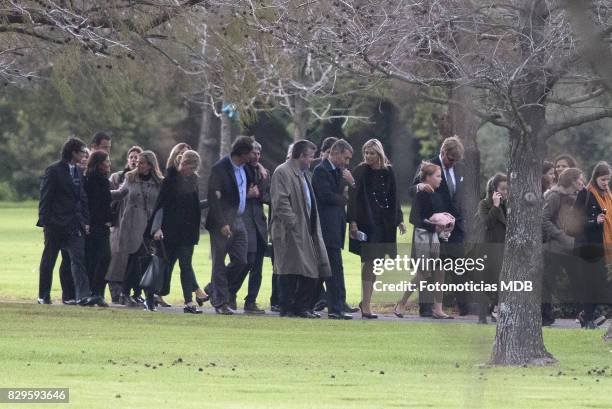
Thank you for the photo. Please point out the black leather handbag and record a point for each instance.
(153, 277)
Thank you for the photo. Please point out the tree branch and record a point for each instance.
(553, 128)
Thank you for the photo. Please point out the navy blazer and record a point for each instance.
(223, 196)
(62, 205)
(328, 186)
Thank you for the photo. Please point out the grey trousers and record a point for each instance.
(220, 246)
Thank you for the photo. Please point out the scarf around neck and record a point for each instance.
(605, 202)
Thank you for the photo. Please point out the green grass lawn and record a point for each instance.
(21, 244)
(118, 358)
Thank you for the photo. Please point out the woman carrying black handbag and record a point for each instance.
(177, 221)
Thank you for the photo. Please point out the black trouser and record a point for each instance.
(74, 245)
(136, 266)
(334, 284)
(98, 256)
(593, 275)
(275, 293)
(254, 269)
(237, 247)
(296, 293)
(66, 277)
(184, 255)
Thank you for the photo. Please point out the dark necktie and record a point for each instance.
(449, 182)
(75, 176)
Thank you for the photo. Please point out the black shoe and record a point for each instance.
(191, 309)
(339, 316)
(224, 310)
(287, 314)
(275, 308)
(69, 302)
(138, 299)
(149, 305)
(464, 309)
(44, 301)
(367, 316)
(128, 301)
(306, 314)
(101, 302)
(232, 304)
(316, 314)
(159, 301)
(425, 310)
(202, 300)
(349, 309)
(87, 301)
(320, 306)
(252, 308)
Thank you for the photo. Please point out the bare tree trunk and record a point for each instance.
(518, 339)
(208, 145)
(402, 152)
(301, 114)
(465, 125)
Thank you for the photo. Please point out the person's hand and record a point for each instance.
(353, 230)
(253, 191)
(158, 235)
(424, 187)
(263, 172)
(87, 229)
(497, 198)
(226, 231)
(402, 228)
(346, 175)
(108, 224)
(601, 218)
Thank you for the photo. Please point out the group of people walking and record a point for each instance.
(105, 226)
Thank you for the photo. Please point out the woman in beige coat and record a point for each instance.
(140, 190)
(300, 258)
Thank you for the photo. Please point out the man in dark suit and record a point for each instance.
(64, 215)
(330, 182)
(257, 231)
(451, 153)
(228, 187)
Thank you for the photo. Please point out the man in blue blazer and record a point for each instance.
(228, 188)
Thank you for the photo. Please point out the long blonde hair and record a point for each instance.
(190, 158)
(377, 147)
(151, 159)
(174, 158)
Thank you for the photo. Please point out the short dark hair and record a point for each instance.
(94, 161)
(300, 147)
(242, 145)
(98, 137)
(572, 163)
(72, 145)
(340, 146)
(328, 143)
